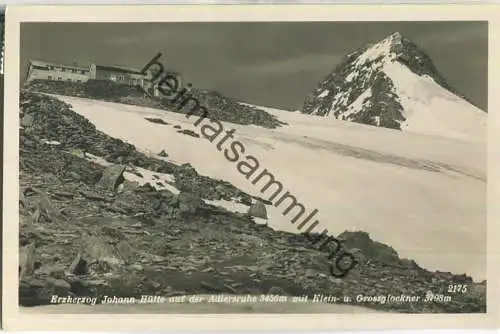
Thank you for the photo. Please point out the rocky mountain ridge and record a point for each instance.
(363, 88)
(219, 107)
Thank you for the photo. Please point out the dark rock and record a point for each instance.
(27, 260)
(58, 286)
(33, 291)
(276, 290)
(99, 256)
(137, 173)
(262, 200)
(189, 133)
(44, 210)
(27, 121)
(209, 287)
(258, 210)
(22, 199)
(129, 185)
(62, 195)
(163, 153)
(463, 279)
(112, 177)
(92, 195)
(126, 252)
(78, 266)
(156, 120)
(371, 249)
(187, 204)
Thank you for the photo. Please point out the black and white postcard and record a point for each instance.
(250, 167)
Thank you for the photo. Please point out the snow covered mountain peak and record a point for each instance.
(394, 39)
(395, 36)
(385, 50)
(393, 83)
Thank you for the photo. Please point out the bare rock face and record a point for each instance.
(112, 177)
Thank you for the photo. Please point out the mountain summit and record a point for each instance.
(394, 84)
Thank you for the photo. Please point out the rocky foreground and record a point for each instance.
(85, 230)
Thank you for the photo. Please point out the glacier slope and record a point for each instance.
(423, 195)
(431, 109)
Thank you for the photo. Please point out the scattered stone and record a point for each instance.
(186, 203)
(27, 260)
(135, 172)
(136, 267)
(59, 286)
(129, 185)
(22, 199)
(276, 290)
(156, 120)
(100, 256)
(112, 232)
(34, 291)
(126, 252)
(209, 287)
(29, 191)
(230, 288)
(310, 273)
(78, 266)
(112, 177)
(27, 121)
(62, 195)
(189, 133)
(258, 210)
(44, 210)
(91, 195)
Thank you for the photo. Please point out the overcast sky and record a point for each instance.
(273, 64)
